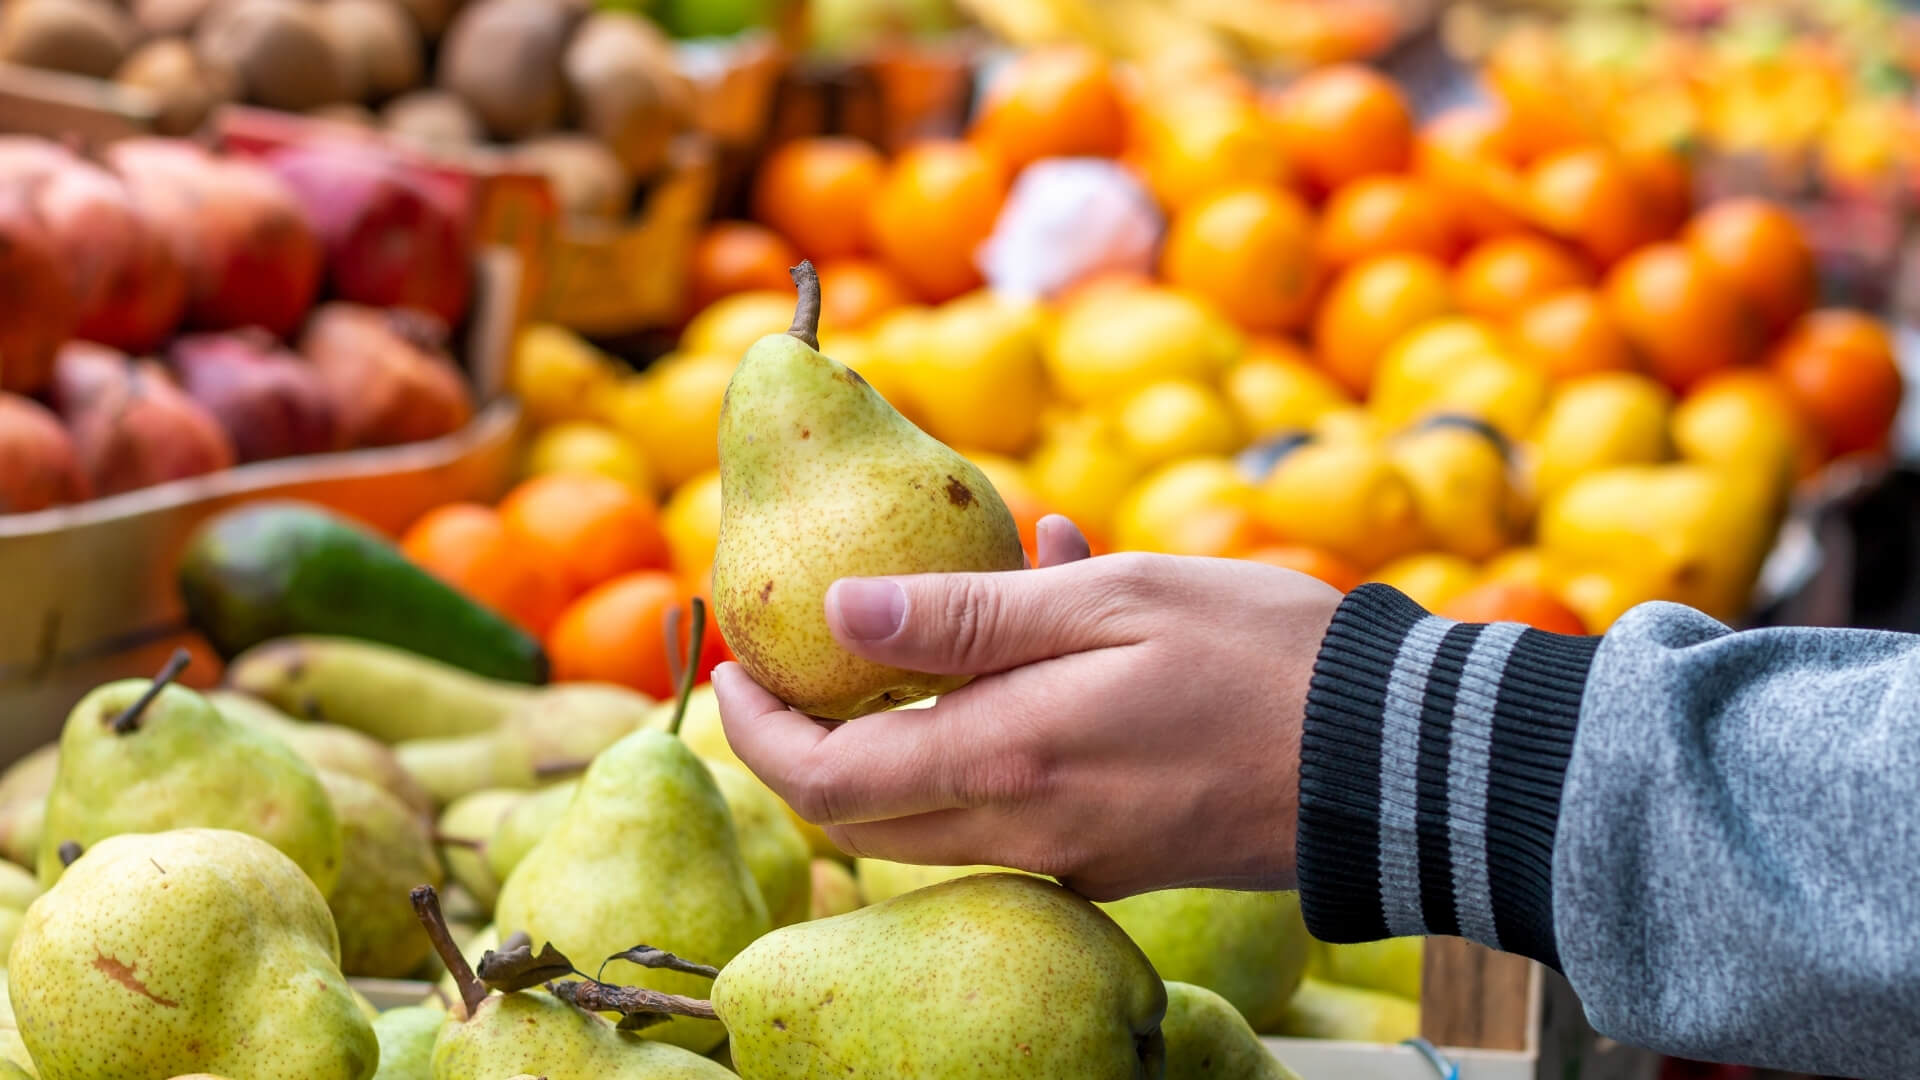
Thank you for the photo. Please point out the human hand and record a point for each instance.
(1135, 723)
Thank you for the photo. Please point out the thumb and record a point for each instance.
(967, 624)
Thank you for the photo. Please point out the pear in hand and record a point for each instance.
(821, 479)
(1208, 1039)
(139, 756)
(178, 952)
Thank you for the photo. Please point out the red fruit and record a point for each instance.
(128, 283)
(36, 303)
(389, 380)
(38, 468)
(270, 401)
(391, 240)
(28, 157)
(132, 427)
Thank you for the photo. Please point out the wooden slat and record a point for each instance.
(1473, 996)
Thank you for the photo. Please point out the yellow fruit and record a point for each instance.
(557, 375)
(732, 323)
(1346, 497)
(1175, 418)
(1081, 470)
(1597, 421)
(1198, 141)
(887, 350)
(1007, 475)
(1108, 343)
(1745, 419)
(1503, 392)
(1601, 596)
(1196, 506)
(584, 446)
(1462, 485)
(1520, 566)
(1272, 394)
(976, 377)
(1430, 578)
(1349, 423)
(1391, 966)
(691, 521)
(1415, 367)
(673, 413)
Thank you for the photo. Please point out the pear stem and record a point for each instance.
(70, 853)
(426, 908)
(128, 721)
(806, 314)
(629, 1000)
(686, 671)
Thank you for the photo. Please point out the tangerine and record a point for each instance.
(467, 546)
(1378, 215)
(1344, 122)
(1571, 334)
(1759, 248)
(1503, 276)
(1311, 561)
(597, 527)
(1250, 251)
(855, 292)
(1372, 305)
(816, 191)
(1058, 101)
(1683, 317)
(933, 210)
(1513, 601)
(1841, 370)
(734, 257)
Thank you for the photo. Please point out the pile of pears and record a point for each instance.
(590, 882)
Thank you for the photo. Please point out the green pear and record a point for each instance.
(10, 921)
(387, 850)
(23, 803)
(327, 746)
(140, 756)
(160, 954)
(1391, 966)
(883, 880)
(12, 1050)
(18, 888)
(835, 892)
(466, 827)
(777, 855)
(1324, 1010)
(11, 1071)
(525, 824)
(805, 438)
(645, 853)
(533, 1033)
(999, 975)
(554, 733)
(1248, 947)
(702, 732)
(388, 693)
(406, 1041)
(1208, 1039)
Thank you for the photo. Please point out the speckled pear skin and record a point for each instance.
(821, 479)
(884, 880)
(184, 766)
(1248, 947)
(196, 950)
(998, 975)
(1208, 1039)
(406, 1039)
(645, 853)
(535, 1033)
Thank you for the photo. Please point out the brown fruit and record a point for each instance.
(84, 37)
(438, 119)
(503, 57)
(379, 43)
(620, 69)
(184, 90)
(431, 17)
(134, 428)
(167, 18)
(349, 113)
(38, 468)
(126, 279)
(278, 52)
(390, 381)
(587, 179)
(37, 309)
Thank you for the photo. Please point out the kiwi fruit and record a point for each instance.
(278, 50)
(184, 91)
(503, 57)
(620, 70)
(588, 180)
(379, 44)
(162, 18)
(84, 37)
(433, 118)
(431, 17)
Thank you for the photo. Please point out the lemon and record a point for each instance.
(1520, 566)
(1107, 343)
(1416, 366)
(1175, 418)
(1349, 423)
(1270, 395)
(1597, 421)
(1746, 420)
(1081, 469)
(884, 355)
(1195, 506)
(730, 324)
(557, 375)
(976, 376)
(1430, 578)
(691, 522)
(672, 412)
(1462, 485)
(1503, 392)
(1346, 497)
(584, 446)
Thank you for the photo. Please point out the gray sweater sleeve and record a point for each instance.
(1715, 835)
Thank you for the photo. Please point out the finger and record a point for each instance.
(1060, 541)
(971, 624)
(942, 838)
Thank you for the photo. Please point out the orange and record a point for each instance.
(1312, 561)
(1503, 276)
(855, 292)
(1469, 154)
(1059, 101)
(1377, 215)
(1587, 196)
(617, 634)
(596, 526)
(935, 208)
(734, 257)
(1571, 334)
(1370, 306)
(1758, 247)
(1250, 251)
(1530, 76)
(1196, 141)
(816, 191)
(470, 548)
(1684, 319)
(1344, 122)
(1840, 368)
(1509, 601)
(1665, 180)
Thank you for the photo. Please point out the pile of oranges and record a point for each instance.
(1507, 369)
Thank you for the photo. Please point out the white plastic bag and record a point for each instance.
(1067, 220)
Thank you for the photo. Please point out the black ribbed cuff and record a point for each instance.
(1431, 767)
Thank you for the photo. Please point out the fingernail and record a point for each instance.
(871, 609)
